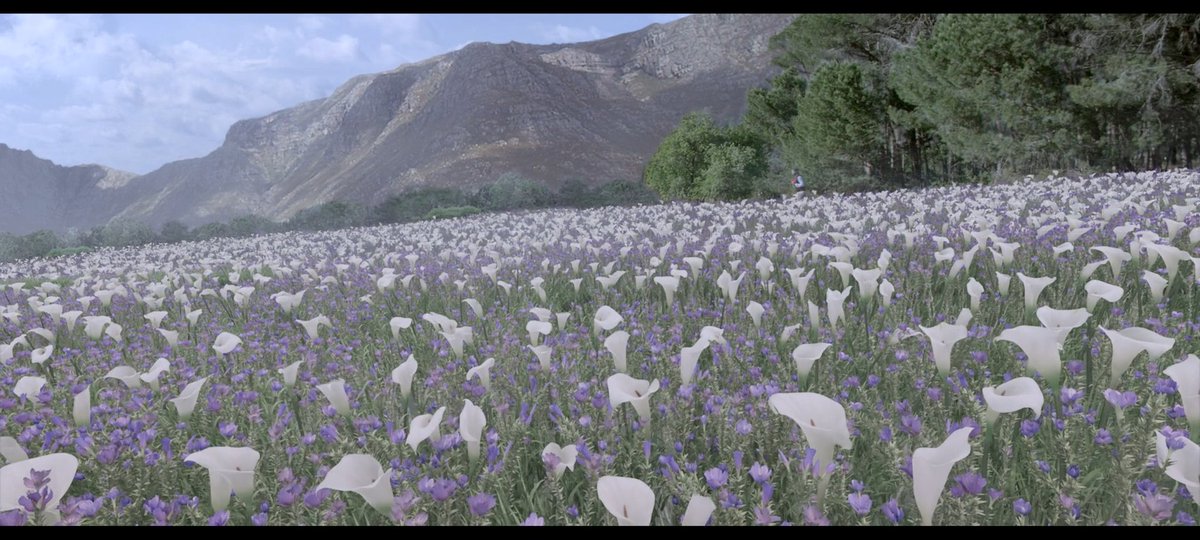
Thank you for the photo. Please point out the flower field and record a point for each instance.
(993, 355)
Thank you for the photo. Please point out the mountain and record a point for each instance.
(595, 111)
(37, 194)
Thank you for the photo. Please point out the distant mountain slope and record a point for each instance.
(37, 194)
(595, 111)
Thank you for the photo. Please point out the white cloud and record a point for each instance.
(399, 26)
(311, 22)
(104, 97)
(344, 48)
(569, 34)
(57, 46)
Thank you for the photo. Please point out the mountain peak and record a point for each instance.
(593, 110)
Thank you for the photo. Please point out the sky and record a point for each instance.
(136, 91)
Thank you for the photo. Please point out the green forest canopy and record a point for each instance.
(868, 101)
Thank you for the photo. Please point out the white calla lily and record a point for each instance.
(1012, 396)
(617, 345)
(335, 392)
(186, 402)
(483, 371)
(629, 500)
(403, 375)
(362, 474)
(62, 469)
(625, 389)
(699, 509)
(931, 467)
(230, 470)
(425, 426)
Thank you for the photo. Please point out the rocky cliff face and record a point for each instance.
(594, 111)
(37, 194)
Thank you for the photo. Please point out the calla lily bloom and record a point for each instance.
(606, 319)
(1064, 320)
(40, 355)
(823, 422)
(764, 267)
(1171, 256)
(1183, 466)
(800, 281)
(424, 427)
(335, 392)
(29, 387)
(397, 324)
(1116, 257)
(289, 373)
(1033, 288)
(942, 339)
(456, 338)
(541, 313)
(313, 326)
(931, 467)
(1012, 396)
(713, 334)
(44, 334)
(81, 409)
(975, 291)
(1003, 282)
(964, 317)
(625, 389)
(113, 330)
(483, 371)
(62, 469)
(362, 474)
(55, 311)
(688, 358)
(542, 352)
(699, 509)
(729, 286)
(226, 343)
(755, 310)
(1156, 283)
(471, 422)
(537, 329)
(94, 325)
(475, 306)
(1041, 346)
(11, 450)
(1099, 290)
(151, 377)
(806, 355)
(868, 281)
(229, 470)
(566, 457)
(186, 402)
(617, 344)
(125, 374)
(171, 336)
(155, 318)
(835, 304)
(1130, 342)
(629, 500)
(843, 269)
(886, 291)
(403, 375)
(1186, 375)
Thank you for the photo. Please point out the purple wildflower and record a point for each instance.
(481, 504)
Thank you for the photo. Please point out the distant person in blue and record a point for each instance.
(798, 182)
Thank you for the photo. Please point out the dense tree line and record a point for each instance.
(509, 192)
(868, 101)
